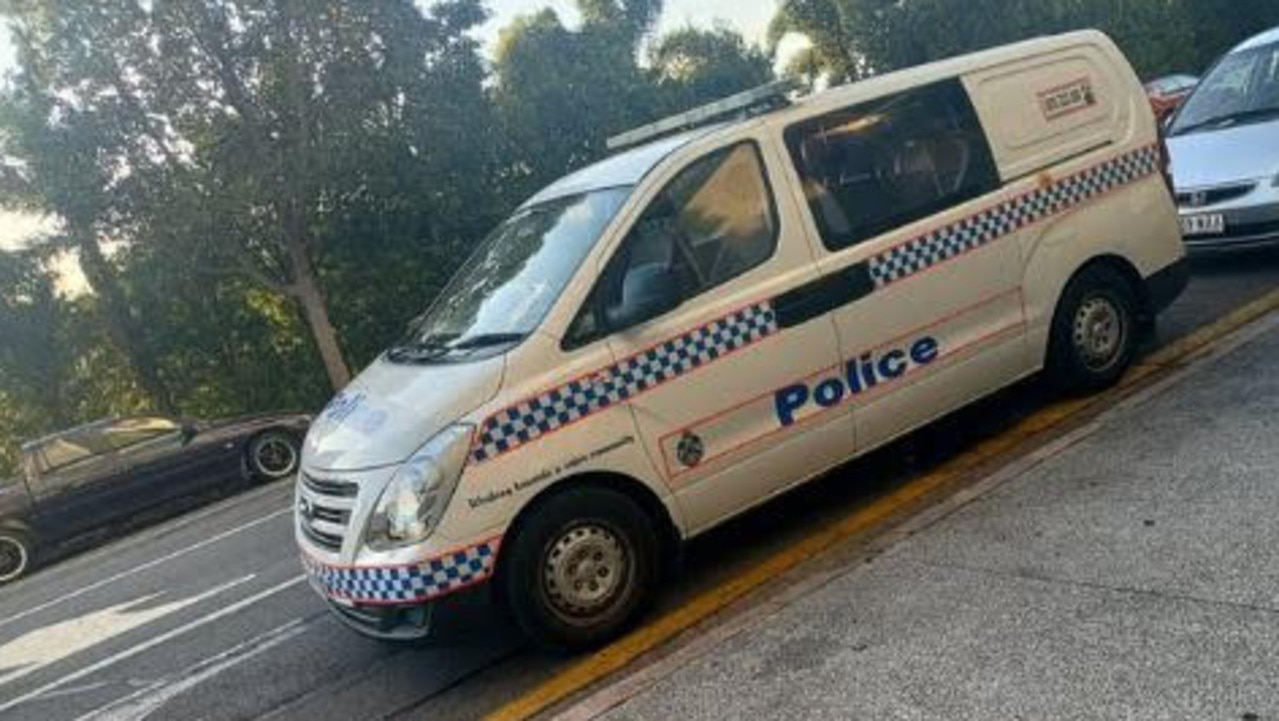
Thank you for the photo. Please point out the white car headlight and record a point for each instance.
(419, 492)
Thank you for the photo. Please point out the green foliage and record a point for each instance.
(694, 66)
(855, 38)
(560, 93)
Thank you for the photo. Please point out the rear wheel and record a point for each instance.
(1094, 331)
(581, 569)
(273, 456)
(15, 555)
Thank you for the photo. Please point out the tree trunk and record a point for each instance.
(306, 289)
(121, 329)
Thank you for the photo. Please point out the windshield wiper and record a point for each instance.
(423, 350)
(439, 346)
(1242, 116)
(487, 340)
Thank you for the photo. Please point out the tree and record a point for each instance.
(60, 159)
(262, 120)
(692, 66)
(33, 359)
(55, 365)
(855, 38)
(560, 93)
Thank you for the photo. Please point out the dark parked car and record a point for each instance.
(105, 472)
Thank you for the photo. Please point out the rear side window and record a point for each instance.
(134, 431)
(72, 448)
(871, 168)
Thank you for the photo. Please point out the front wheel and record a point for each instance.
(1093, 337)
(582, 569)
(273, 456)
(16, 554)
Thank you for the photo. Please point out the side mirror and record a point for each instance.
(647, 292)
(189, 431)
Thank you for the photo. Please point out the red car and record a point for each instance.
(1168, 93)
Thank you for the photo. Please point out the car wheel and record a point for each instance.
(1093, 335)
(15, 555)
(582, 568)
(273, 455)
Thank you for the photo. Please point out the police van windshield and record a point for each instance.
(508, 286)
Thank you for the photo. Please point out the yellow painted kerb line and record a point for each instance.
(644, 639)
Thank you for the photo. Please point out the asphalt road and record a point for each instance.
(208, 617)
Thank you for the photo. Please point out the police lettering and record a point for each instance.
(861, 375)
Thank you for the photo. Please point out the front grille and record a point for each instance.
(324, 511)
(1213, 196)
(338, 489)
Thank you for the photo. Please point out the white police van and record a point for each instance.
(753, 293)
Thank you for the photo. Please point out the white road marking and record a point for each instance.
(146, 701)
(152, 643)
(77, 690)
(47, 645)
(142, 567)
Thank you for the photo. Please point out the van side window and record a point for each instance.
(714, 222)
(871, 168)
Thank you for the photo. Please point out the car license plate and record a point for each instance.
(1210, 224)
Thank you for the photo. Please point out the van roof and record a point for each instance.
(631, 166)
(1266, 38)
(623, 169)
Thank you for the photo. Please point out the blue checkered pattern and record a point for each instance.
(916, 256)
(405, 584)
(533, 418)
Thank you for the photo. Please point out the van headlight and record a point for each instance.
(414, 501)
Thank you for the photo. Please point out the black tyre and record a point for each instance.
(1094, 331)
(582, 569)
(273, 456)
(16, 555)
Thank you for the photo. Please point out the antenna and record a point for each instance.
(748, 104)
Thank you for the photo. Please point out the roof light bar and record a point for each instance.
(750, 103)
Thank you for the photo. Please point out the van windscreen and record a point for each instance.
(503, 292)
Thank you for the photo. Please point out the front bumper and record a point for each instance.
(393, 602)
(1252, 221)
(386, 623)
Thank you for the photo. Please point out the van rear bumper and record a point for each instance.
(1165, 286)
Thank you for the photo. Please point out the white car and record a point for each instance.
(748, 296)
(1225, 151)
